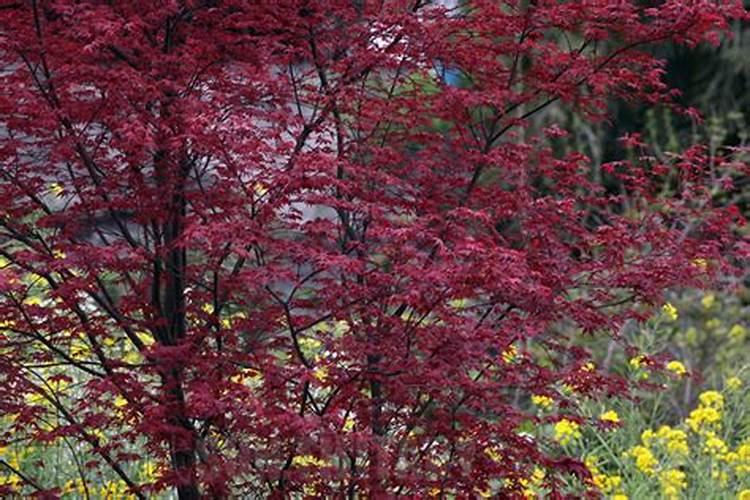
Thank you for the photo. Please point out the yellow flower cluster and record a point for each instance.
(677, 368)
(672, 481)
(604, 483)
(741, 458)
(509, 355)
(674, 441)
(308, 461)
(737, 334)
(644, 459)
(566, 431)
(708, 300)
(531, 485)
(115, 489)
(707, 417)
(670, 311)
(542, 401)
(610, 416)
(733, 383)
(715, 446)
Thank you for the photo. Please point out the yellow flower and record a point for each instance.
(56, 189)
(589, 367)
(619, 496)
(349, 424)
(644, 459)
(494, 454)
(712, 399)
(720, 477)
(149, 471)
(483, 493)
(670, 311)
(647, 437)
(743, 495)
(321, 373)
(733, 383)
(737, 333)
(672, 481)
(715, 446)
(604, 483)
(677, 368)
(542, 401)
(637, 361)
(674, 440)
(610, 416)
(700, 263)
(532, 483)
(708, 300)
(509, 355)
(308, 461)
(703, 418)
(742, 459)
(566, 431)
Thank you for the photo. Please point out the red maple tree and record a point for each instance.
(305, 247)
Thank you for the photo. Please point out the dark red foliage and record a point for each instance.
(270, 241)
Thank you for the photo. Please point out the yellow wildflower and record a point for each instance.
(700, 263)
(737, 333)
(149, 471)
(619, 496)
(677, 368)
(487, 493)
(637, 361)
(715, 446)
(733, 383)
(308, 461)
(349, 424)
(610, 416)
(672, 481)
(542, 401)
(533, 483)
(494, 454)
(321, 373)
(604, 483)
(33, 300)
(720, 477)
(670, 311)
(703, 418)
(56, 189)
(566, 431)
(708, 300)
(742, 458)
(674, 440)
(743, 495)
(644, 459)
(647, 437)
(712, 399)
(509, 355)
